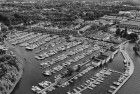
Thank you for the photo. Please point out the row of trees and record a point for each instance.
(11, 19)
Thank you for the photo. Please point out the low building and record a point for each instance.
(114, 18)
(130, 25)
(110, 55)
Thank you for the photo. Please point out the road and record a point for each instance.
(123, 50)
(132, 85)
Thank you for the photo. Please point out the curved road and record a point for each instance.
(132, 86)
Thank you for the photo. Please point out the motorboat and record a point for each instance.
(44, 84)
(40, 57)
(36, 89)
(47, 73)
(113, 87)
(116, 83)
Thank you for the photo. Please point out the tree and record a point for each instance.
(5, 20)
(13, 63)
(124, 33)
(2, 52)
(4, 36)
(17, 16)
(118, 31)
(133, 37)
(136, 48)
(24, 18)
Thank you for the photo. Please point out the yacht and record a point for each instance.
(116, 83)
(36, 89)
(110, 91)
(113, 87)
(44, 84)
(47, 73)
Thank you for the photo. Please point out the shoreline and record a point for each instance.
(18, 79)
(131, 67)
(21, 67)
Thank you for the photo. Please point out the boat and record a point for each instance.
(113, 87)
(47, 73)
(96, 82)
(110, 91)
(69, 93)
(36, 89)
(29, 48)
(40, 57)
(100, 81)
(116, 83)
(45, 64)
(44, 84)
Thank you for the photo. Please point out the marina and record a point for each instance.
(69, 47)
(52, 86)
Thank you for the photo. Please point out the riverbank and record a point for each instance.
(14, 66)
(132, 86)
(20, 75)
(130, 65)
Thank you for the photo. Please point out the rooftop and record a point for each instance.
(134, 23)
(112, 17)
